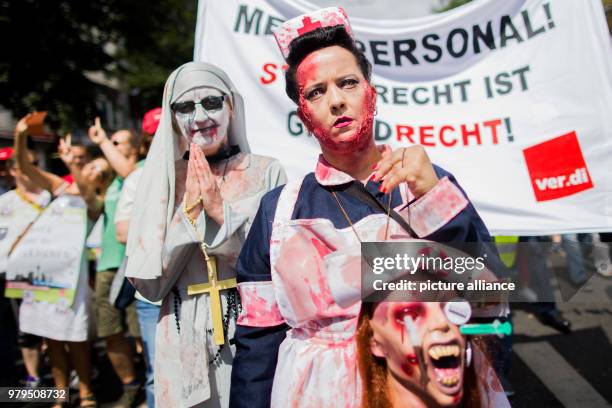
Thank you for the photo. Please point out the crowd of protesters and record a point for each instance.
(193, 201)
(104, 174)
(106, 177)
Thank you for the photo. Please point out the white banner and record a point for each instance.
(15, 216)
(512, 97)
(50, 256)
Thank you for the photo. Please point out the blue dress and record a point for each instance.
(294, 344)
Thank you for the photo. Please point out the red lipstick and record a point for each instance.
(342, 122)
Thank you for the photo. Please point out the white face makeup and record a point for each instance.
(205, 128)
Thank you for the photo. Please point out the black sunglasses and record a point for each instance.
(210, 104)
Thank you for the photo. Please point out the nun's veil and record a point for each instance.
(154, 203)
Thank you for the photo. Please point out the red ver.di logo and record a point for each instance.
(557, 168)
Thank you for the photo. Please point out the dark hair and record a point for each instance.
(11, 163)
(133, 136)
(315, 40)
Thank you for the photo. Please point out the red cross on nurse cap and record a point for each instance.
(300, 25)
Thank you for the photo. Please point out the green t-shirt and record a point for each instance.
(112, 251)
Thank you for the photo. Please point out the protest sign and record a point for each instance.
(47, 261)
(16, 214)
(511, 97)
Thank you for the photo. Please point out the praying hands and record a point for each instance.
(202, 191)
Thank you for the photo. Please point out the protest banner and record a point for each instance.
(511, 97)
(47, 261)
(16, 215)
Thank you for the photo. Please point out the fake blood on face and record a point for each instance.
(358, 103)
(414, 310)
(408, 366)
(400, 311)
(362, 135)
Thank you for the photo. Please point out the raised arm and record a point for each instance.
(87, 191)
(43, 179)
(122, 165)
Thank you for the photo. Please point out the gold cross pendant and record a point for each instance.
(213, 287)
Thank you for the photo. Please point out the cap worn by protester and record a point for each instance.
(298, 26)
(150, 121)
(6, 153)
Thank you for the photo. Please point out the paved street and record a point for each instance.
(574, 370)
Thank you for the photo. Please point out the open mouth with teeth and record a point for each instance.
(445, 367)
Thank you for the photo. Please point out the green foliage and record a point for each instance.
(48, 46)
(155, 40)
(452, 4)
(607, 4)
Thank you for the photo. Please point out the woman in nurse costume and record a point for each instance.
(295, 344)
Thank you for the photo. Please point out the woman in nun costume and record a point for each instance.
(196, 200)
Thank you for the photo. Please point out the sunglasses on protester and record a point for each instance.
(210, 104)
